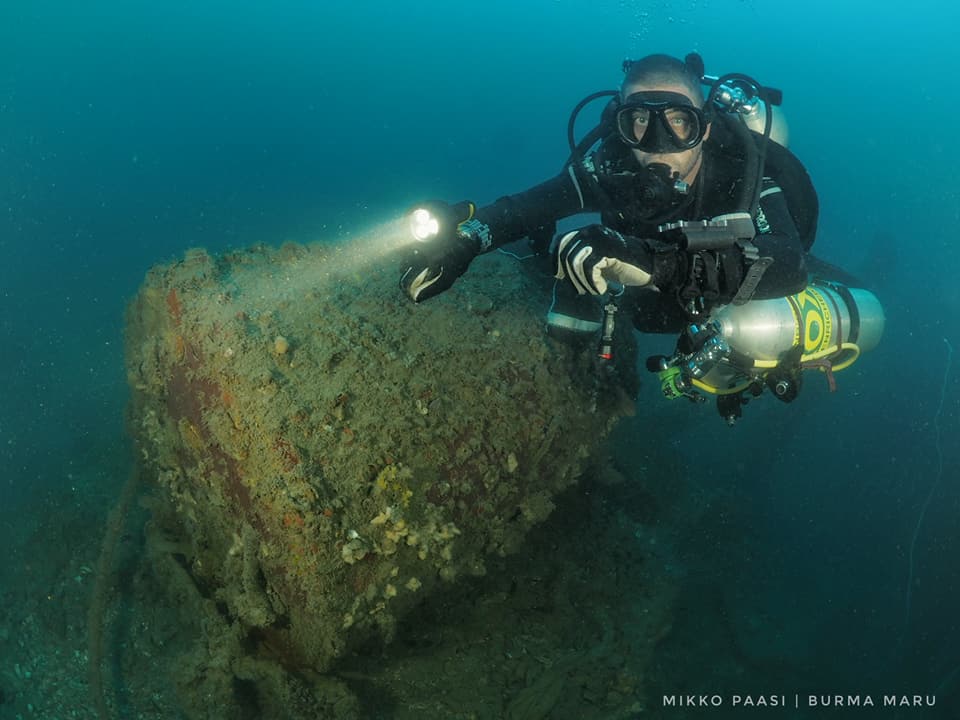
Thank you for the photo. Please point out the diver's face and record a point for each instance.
(686, 162)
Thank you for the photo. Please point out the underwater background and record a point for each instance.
(132, 131)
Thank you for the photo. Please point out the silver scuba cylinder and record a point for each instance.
(826, 325)
(744, 99)
(827, 322)
(755, 118)
(817, 318)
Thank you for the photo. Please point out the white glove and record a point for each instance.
(595, 256)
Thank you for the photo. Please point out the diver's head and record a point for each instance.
(661, 115)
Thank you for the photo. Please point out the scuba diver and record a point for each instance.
(705, 224)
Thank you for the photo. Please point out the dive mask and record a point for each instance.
(660, 122)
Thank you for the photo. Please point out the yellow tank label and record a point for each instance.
(816, 320)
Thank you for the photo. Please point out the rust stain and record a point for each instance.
(173, 305)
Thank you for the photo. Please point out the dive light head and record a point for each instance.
(424, 225)
(430, 219)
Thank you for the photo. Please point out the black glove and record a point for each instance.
(436, 262)
(596, 255)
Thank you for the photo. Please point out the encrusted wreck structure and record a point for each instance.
(325, 454)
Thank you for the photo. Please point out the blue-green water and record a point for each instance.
(130, 132)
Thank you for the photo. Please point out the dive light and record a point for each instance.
(429, 220)
(423, 224)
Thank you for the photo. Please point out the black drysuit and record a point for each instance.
(785, 222)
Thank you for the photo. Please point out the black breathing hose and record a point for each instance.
(571, 139)
(755, 157)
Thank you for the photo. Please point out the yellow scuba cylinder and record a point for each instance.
(827, 324)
